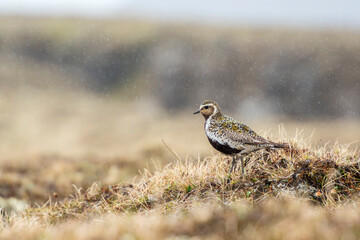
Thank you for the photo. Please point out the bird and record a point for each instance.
(232, 137)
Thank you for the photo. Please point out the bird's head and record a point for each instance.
(208, 108)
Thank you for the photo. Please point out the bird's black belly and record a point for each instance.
(224, 148)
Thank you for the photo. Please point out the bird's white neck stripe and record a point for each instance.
(215, 110)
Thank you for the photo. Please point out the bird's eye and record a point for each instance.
(206, 107)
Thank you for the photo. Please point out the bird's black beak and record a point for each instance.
(197, 112)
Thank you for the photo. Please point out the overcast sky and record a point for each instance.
(328, 13)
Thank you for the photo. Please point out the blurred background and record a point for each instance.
(102, 83)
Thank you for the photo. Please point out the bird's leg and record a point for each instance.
(232, 165)
(242, 164)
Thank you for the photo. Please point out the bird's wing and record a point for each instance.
(240, 134)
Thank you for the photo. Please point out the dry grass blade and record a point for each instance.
(170, 150)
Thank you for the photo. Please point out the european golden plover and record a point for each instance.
(231, 137)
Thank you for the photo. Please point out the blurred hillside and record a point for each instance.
(256, 72)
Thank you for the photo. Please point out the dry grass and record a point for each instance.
(36, 179)
(281, 219)
(327, 178)
(300, 193)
